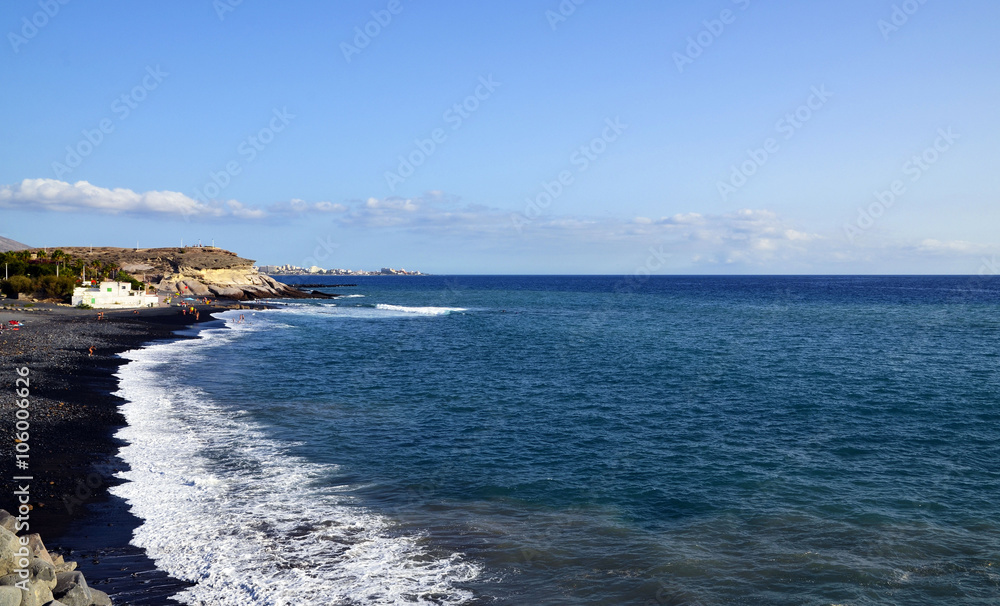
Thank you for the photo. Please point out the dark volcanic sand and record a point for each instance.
(73, 456)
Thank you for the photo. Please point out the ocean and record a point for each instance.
(530, 440)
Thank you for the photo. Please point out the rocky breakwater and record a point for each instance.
(30, 576)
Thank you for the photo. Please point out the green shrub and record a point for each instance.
(53, 287)
(82, 305)
(18, 284)
(124, 277)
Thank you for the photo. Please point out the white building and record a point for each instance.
(113, 294)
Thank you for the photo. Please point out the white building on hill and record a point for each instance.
(111, 295)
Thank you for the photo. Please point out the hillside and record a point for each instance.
(7, 245)
(202, 270)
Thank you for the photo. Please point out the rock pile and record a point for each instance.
(30, 576)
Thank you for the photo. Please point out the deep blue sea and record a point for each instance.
(579, 440)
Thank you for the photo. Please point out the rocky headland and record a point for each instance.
(201, 271)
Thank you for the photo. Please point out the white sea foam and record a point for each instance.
(228, 508)
(350, 296)
(356, 310)
(425, 311)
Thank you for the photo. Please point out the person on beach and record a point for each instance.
(91, 351)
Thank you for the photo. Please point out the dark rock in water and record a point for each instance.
(72, 590)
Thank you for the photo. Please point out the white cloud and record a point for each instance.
(59, 196)
(296, 206)
(953, 246)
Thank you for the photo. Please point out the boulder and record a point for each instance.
(41, 592)
(43, 573)
(227, 292)
(10, 596)
(167, 285)
(9, 545)
(7, 521)
(194, 287)
(66, 566)
(272, 282)
(72, 590)
(38, 548)
(100, 598)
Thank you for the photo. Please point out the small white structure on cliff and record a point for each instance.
(113, 294)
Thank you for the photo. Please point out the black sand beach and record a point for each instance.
(72, 447)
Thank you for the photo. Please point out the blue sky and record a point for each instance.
(732, 136)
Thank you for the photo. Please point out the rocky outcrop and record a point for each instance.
(30, 576)
(200, 271)
(229, 284)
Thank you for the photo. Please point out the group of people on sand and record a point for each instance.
(191, 310)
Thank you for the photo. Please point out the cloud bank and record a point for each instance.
(59, 196)
(747, 237)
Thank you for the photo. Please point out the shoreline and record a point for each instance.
(74, 452)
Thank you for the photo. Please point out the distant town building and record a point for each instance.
(292, 270)
(109, 295)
